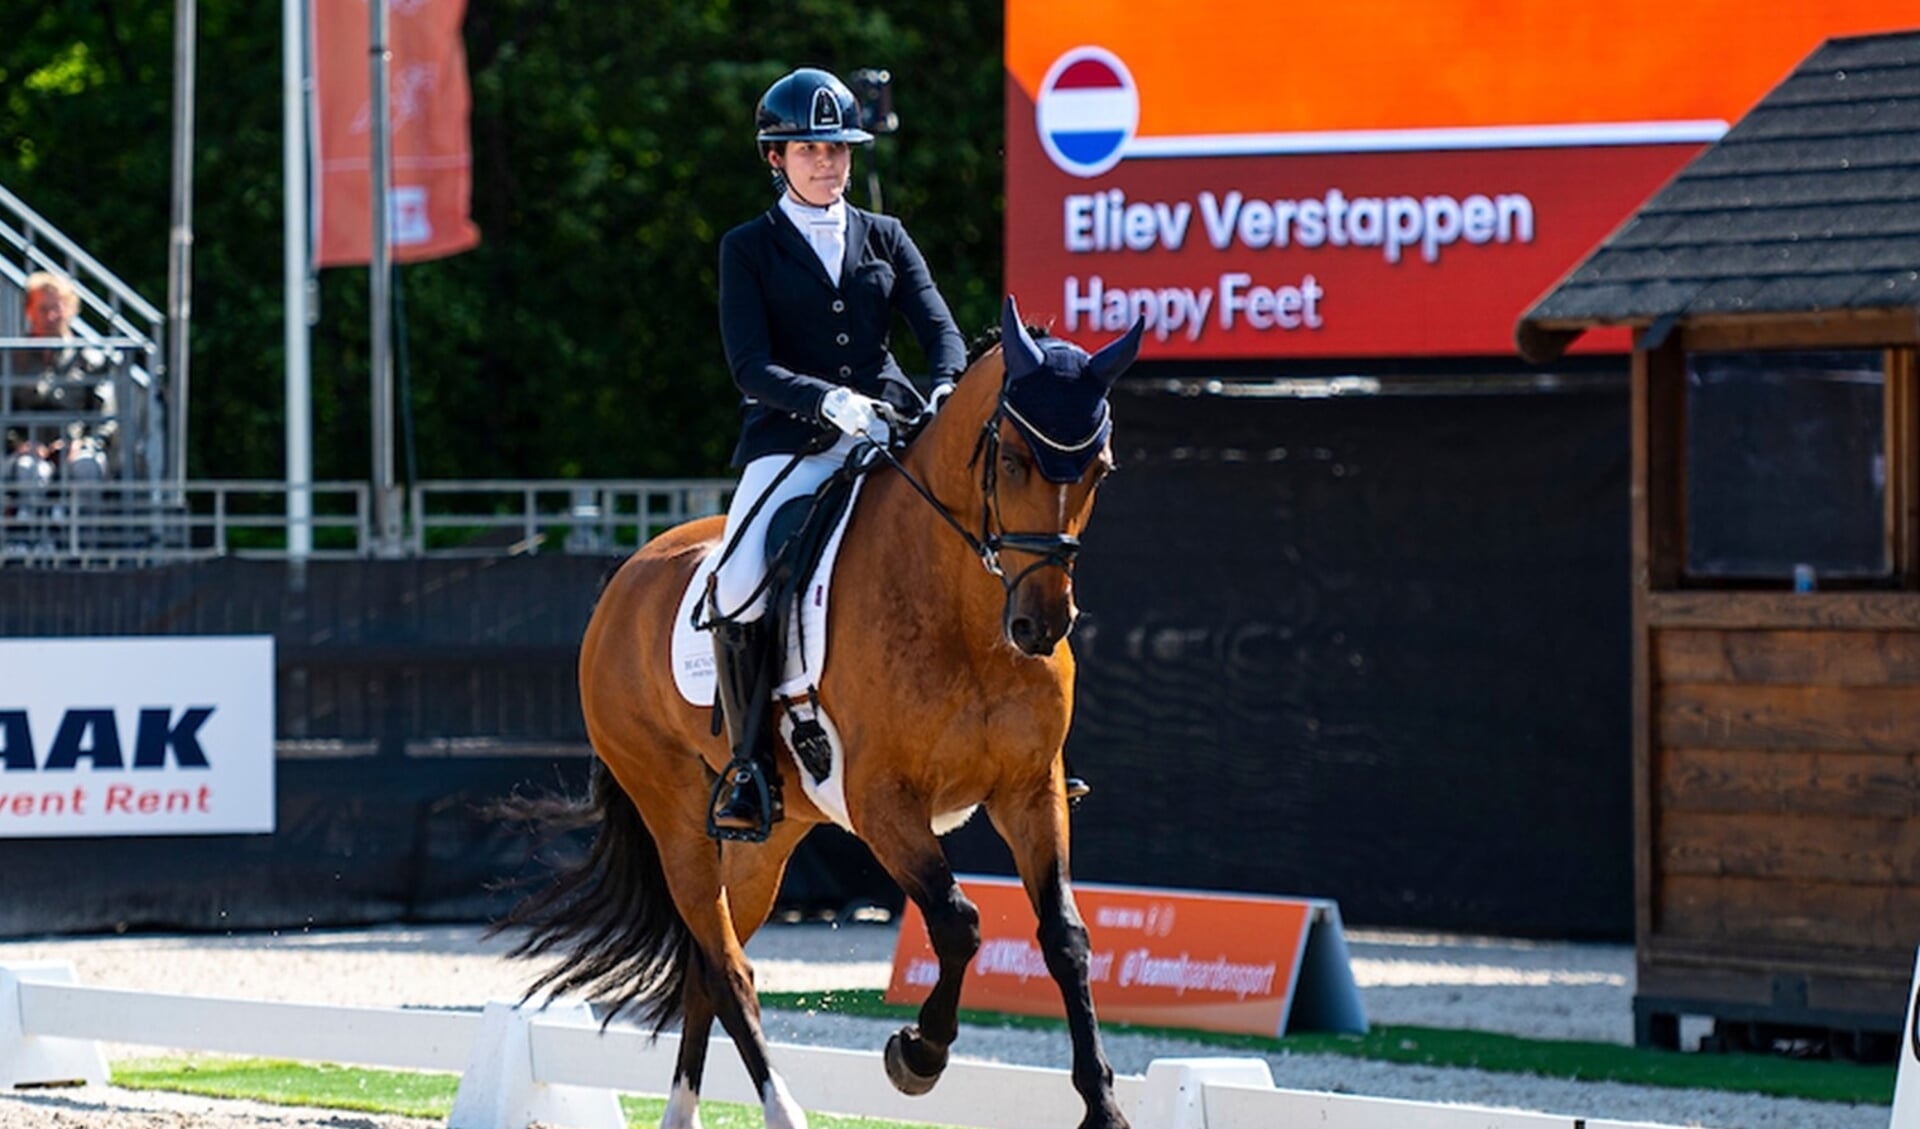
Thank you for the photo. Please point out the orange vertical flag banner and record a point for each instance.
(428, 102)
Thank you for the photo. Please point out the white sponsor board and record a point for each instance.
(160, 735)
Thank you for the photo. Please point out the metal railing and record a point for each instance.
(113, 316)
(131, 525)
(101, 291)
(491, 517)
(105, 403)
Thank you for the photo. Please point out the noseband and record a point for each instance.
(1054, 550)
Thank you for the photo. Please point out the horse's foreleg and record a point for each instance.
(917, 1054)
(1037, 834)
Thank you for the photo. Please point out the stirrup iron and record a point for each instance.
(743, 772)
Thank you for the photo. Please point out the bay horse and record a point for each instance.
(951, 686)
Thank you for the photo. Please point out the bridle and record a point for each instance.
(1053, 550)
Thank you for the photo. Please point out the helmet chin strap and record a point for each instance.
(783, 185)
(793, 190)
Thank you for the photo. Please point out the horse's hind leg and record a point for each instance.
(1036, 831)
(724, 898)
(683, 1103)
(917, 1053)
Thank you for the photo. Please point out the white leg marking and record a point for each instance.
(683, 1108)
(782, 1112)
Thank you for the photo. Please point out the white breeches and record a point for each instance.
(735, 581)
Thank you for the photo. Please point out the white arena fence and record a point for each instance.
(557, 1066)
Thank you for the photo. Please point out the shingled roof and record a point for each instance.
(1810, 203)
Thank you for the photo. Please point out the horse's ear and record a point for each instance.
(1117, 356)
(1023, 356)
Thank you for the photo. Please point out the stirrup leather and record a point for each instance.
(811, 745)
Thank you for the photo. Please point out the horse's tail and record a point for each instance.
(608, 915)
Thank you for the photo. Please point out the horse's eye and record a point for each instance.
(1012, 465)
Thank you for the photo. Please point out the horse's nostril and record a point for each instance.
(1029, 638)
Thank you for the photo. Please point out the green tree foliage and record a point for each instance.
(612, 149)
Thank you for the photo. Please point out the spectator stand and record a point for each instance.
(66, 518)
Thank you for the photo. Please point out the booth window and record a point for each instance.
(1786, 467)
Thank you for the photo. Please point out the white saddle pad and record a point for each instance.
(694, 675)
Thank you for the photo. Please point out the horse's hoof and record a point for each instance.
(905, 1078)
(1107, 1116)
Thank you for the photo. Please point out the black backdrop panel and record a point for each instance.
(410, 697)
(1369, 649)
(1373, 649)
(358, 843)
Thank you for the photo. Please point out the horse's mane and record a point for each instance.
(986, 340)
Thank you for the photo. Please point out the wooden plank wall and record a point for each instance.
(1785, 782)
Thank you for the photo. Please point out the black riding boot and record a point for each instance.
(746, 798)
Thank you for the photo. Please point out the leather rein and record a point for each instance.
(1054, 550)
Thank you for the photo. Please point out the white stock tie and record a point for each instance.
(830, 243)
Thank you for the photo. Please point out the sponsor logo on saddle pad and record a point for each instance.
(1248, 964)
(147, 736)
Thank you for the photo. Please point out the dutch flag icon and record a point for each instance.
(1087, 110)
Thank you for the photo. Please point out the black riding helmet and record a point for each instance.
(808, 105)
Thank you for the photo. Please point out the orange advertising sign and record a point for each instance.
(1221, 67)
(1370, 179)
(1167, 958)
(428, 102)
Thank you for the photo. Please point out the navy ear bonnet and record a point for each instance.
(1056, 394)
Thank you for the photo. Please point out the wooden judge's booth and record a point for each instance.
(1774, 289)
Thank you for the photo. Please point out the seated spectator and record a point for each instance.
(75, 379)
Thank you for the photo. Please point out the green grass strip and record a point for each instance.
(395, 1092)
(1773, 1075)
(400, 1092)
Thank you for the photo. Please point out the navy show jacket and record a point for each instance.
(791, 335)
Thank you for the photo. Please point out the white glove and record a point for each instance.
(851, 412)
(940, 393)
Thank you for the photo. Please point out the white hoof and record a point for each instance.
(781, 1111)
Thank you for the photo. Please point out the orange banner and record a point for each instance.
(1251, 180)
(432, 167)
(1247, 66)
(1168, 958)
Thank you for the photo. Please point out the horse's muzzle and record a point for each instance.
(1039, 609)
(1037, 635)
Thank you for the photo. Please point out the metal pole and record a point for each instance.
(180, 240)
(386, 494)
(299, 375)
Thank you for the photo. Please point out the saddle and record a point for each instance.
(798, 534)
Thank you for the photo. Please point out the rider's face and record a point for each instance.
(816, 170)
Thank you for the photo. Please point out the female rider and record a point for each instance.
(808, 293)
